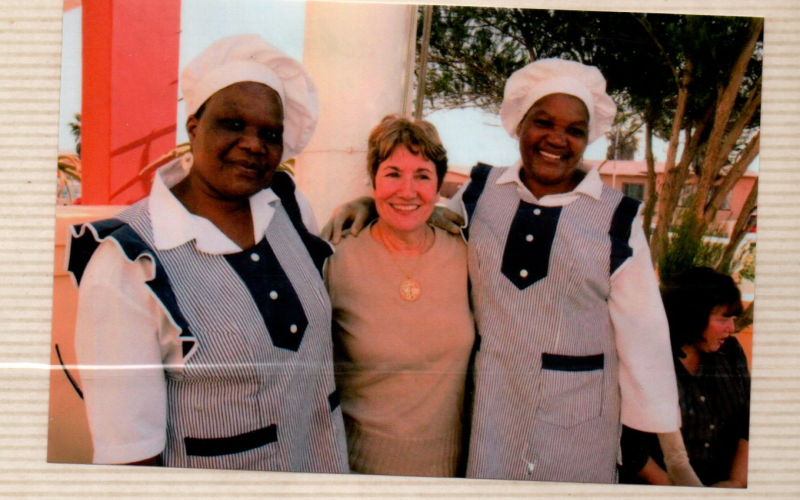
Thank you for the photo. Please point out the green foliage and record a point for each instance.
(684, 249)
(710, 44)
(75, 130)
(622, 139)
(745, 261)
(473, 50)
(69, 171)
(645, 58)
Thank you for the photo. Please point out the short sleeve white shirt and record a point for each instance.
(125, 339)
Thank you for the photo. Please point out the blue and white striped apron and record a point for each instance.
(256, 391)
(547, 398)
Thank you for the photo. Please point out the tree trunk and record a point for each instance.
(744, 223)
(731, 178)
(650, 197)
(671, 189)
(716, 157)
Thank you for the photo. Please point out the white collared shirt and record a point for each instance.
(591, 185)
(174, 225)
(122, 328)
(635, 306)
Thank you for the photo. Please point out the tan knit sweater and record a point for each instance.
(401, 366)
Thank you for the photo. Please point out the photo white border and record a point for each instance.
(30, 33)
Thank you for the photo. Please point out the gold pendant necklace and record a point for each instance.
(409, 288)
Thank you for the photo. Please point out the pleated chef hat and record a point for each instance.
(250, 58)
(557, 76)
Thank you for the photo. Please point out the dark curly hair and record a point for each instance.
(419, 136)
(690, 297)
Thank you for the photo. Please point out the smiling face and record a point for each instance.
(405, 190)
(720, 327)
(552, 138)
(237, 142)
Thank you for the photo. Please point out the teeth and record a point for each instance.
(405, 208)
(550, 155)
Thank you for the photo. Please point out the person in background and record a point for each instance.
(713, 384)
(403, 330)
(572, 335)
(203, 329)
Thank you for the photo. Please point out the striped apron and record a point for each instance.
(547, 398)
(256, 391)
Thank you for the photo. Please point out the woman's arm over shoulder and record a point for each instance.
(455, 204)
(354, 214)
(122, 338)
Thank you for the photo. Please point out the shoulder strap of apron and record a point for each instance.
(478, 177)
(319, 249)
(620, 231)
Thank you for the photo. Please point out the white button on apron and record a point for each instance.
(529, 238)
(255, 257)
(537, 211)
(524, 273)
(293, 328)
(273, 295)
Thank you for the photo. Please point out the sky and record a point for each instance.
(463, 131)
(202, 22)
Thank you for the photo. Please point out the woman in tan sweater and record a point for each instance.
(403, 330)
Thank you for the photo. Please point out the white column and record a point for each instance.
(359, 56)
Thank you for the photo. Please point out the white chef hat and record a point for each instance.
(250, 58)
(557, 76)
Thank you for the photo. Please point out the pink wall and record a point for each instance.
(130, 92)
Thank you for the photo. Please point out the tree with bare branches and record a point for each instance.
(692, 81)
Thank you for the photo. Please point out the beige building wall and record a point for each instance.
(361, 58)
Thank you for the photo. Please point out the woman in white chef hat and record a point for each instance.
(203, 328)
(573, 339)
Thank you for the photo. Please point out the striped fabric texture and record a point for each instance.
(240, 402)
(547, 398)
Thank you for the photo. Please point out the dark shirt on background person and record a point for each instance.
(715, 414)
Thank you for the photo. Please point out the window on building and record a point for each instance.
(633, 190)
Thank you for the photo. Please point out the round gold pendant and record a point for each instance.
(410, 290)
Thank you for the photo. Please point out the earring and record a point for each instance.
(187, 160)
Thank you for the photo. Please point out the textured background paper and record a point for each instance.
(30, 37)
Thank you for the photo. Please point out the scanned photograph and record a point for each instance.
(491, 243)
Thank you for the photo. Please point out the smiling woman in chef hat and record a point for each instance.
(574, 339)
(204, 327)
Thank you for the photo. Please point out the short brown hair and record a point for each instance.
(689, 299)
(419, 136)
